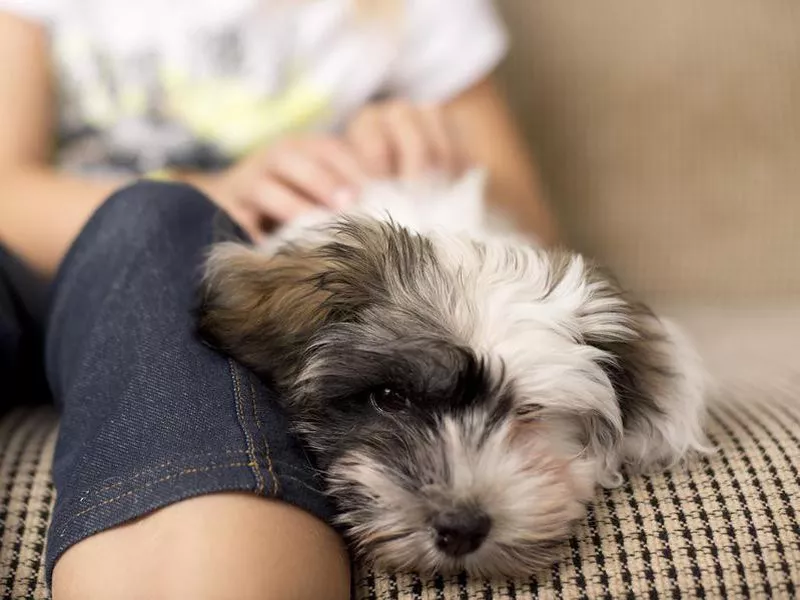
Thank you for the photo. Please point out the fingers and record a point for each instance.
(447, 153)
(296, 176)
(368, 137)
(410, 143)
(312, 180)
(403, 140)
(393, 139)
(278, 202)
(337, 156)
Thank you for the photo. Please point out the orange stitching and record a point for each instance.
(151, 484)
(240, 415)
(263, 437)
(161, 466)
(285, 464)
(168, 478)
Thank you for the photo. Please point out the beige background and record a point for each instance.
(668, 135)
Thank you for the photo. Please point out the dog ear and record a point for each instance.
(658, 378)
(263, 309)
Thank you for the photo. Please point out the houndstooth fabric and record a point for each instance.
(724, 527)
(27, 439)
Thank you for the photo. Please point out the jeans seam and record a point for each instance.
(163, 465)
(285, 466)
(174, 475)
(264, 441)
(181, 473)
(237, 392)
(177, 474)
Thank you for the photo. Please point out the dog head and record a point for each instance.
(463, 396)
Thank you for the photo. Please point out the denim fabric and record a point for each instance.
(151, 415)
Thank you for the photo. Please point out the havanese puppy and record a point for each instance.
(463, 390)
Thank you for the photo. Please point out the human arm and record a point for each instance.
(41, 210)
(491, 137)
(446, 109)
(397, 138)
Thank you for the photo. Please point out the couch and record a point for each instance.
(668, 136)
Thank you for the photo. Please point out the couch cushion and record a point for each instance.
(27, 439)
(726, 526)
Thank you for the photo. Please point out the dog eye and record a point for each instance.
(387, 399)
(528, 412)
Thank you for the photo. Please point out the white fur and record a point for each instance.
(432, 205)
(500, 295)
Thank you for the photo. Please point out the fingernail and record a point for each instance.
(343, 198)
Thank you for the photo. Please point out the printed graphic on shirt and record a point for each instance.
(197, 83)
(138, 112)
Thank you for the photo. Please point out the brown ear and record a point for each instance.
(263, 309)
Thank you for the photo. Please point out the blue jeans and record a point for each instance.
(151, 415)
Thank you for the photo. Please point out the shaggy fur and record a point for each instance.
(463, 390)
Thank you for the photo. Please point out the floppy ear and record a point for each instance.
(658, 378)
(265, 309)
(260, 309)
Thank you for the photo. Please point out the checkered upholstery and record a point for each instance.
(723, 527)
(27, 438)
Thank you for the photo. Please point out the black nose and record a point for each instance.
(462, 532)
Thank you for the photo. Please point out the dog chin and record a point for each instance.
(464, 390)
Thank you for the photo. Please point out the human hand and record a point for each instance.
(285, 180)
(400, 139)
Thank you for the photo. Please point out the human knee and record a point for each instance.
(144, 211)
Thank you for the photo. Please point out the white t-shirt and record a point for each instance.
(146, 84)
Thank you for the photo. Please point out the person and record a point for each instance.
(136, 134)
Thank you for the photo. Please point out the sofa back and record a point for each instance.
(668, 134)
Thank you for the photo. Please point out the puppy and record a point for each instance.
(463, 390)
